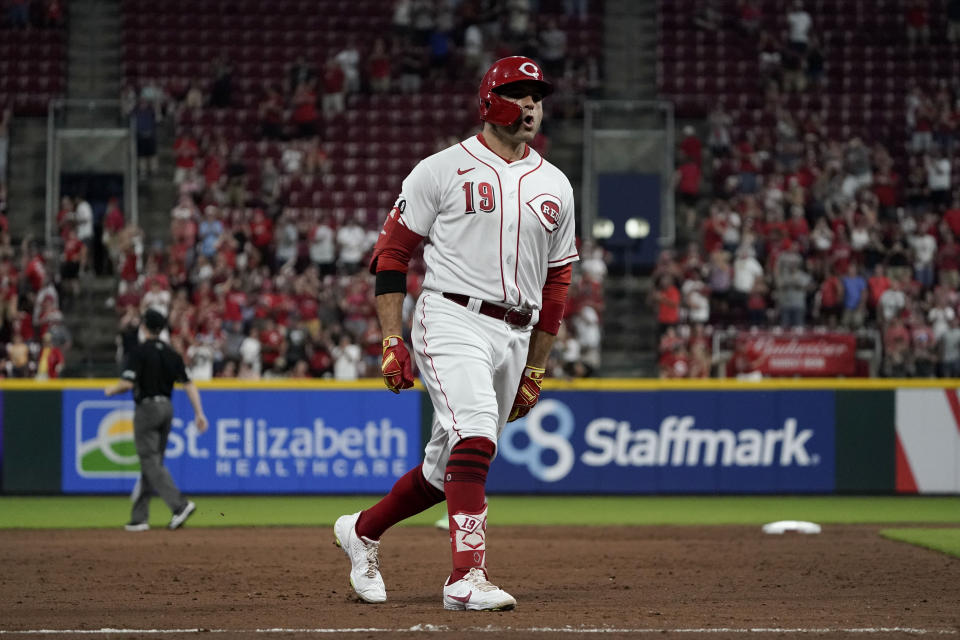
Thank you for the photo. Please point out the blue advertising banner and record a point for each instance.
(1, 440)
(266, 441)
(670, 442)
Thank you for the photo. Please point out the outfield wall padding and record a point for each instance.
(32, 432)
(866, 441)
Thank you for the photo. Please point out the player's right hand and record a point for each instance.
(396, 367)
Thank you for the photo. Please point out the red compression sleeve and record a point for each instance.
(394, 246)
(554, 298)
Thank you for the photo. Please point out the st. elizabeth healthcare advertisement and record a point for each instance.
(266, 441)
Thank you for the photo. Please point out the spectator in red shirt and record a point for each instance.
(841, 253)
(750, 14)
(113, 224)
(691, 145)
(918, 23)
(261, 229)
(758, 304)
(687, 183)
(675, 361)
(273, 344)
(186, 149)
(952, 216)
(304, 116)
(831, 300)
(66, 216)
(667, 298)
(35, 270)
(270, 111)
(234, 302)
(877, 284)
(54, 14)
(378, 64)
(896, 347)
(334, 85)
(886, 186)
(714, 228)
(73, 260)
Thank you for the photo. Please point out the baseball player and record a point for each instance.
(498, 224)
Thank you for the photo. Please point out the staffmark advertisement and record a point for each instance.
(670, 442)
(257, 442)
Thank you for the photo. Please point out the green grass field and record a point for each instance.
(85, 512)
(945, 540)
(232, 511)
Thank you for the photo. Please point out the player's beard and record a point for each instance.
(517, 132)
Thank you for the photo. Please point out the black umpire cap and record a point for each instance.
(154, 321)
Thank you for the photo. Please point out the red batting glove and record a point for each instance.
(528, 393)
(396, 367)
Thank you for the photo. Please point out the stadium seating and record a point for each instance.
(175, 42)
(869, 70)
(32, 69)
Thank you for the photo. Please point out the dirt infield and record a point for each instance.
(631, 579)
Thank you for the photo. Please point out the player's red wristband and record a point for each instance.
(554, 298)
(550, 316)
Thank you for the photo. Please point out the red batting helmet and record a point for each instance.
(497, 110)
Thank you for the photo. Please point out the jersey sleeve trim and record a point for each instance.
(573, 257)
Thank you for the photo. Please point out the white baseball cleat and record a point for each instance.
(364, 557)
(473, 592)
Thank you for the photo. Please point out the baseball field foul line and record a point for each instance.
(491, 629)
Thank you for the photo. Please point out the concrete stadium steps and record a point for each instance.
(629, 328)
(27, 178)
(93, 329)
(630, 49)
(94, 49)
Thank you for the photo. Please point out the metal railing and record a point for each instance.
(84, 136)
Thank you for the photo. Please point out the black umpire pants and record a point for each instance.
(152, 421)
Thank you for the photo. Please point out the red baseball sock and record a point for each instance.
(464, 483)
(410, 495)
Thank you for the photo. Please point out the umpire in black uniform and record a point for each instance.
(151, 370)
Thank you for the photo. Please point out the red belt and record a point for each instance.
(516, 316)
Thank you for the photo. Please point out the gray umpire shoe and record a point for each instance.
(473, 592)
(136, 526)
(181, 516)
(364, 557)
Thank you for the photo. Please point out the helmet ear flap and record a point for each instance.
(496, 110)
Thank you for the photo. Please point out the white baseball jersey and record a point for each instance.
(493, 227)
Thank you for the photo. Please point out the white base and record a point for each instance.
(797, 526)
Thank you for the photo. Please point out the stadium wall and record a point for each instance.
(588, 436)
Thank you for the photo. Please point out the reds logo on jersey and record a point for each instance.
(547, 209)
(551, 210)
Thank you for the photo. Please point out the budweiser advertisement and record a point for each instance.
(824, 354)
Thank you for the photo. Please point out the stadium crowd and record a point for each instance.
(259, 280)
(795, 226)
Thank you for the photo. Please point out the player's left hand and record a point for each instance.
(396, 367)
(528, 393)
